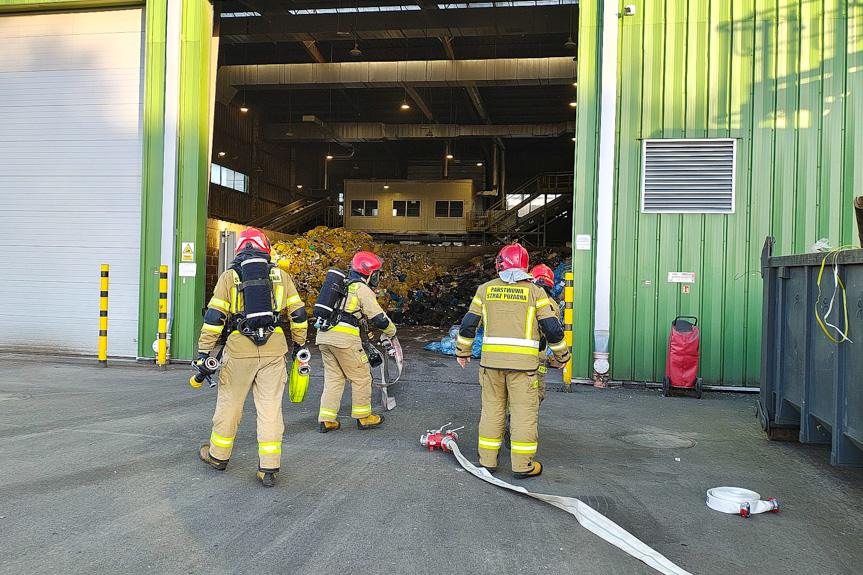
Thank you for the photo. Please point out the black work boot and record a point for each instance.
(204, 455)
(267, 478)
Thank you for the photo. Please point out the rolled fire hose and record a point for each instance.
(589, 518)
(739, 501)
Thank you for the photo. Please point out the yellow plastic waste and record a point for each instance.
(308, 257)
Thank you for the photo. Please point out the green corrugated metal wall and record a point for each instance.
(784, 77)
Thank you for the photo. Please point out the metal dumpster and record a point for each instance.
(809, 382)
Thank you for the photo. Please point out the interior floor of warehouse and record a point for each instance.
(99, 473)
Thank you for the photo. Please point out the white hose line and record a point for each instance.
(739, 501)
(589, 518)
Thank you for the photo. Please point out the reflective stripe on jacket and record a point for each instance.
(510, 316)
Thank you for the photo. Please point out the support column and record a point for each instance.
(586, 161)
(196, 89)
(170, 166)
(155, 23)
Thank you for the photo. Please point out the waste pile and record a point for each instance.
(413, 290)
(307, 258)
(443, 302)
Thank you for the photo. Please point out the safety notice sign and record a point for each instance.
(681, 277)
(582, 242)
(188, 252)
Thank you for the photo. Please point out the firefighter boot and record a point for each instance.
(204, 455)
(267, 478)
(326, 426)
(370, 422)
(534, 471)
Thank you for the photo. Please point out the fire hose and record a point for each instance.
(588, 517)
(736, 500)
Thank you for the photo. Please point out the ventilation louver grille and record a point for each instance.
(688, 176)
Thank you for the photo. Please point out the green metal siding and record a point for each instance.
(786, 79)
(586, 168)
(151, 197)
(192, 180)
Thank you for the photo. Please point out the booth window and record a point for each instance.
(405, 208)
(448, 209)
(364, 208)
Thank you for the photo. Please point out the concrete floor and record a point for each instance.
(99, 474)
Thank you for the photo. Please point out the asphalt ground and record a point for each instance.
(99, 474)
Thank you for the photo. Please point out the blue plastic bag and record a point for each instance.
(447, 346)
(476, 351)
(433, 346)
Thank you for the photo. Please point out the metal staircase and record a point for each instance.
(291, 217)
(504, 224)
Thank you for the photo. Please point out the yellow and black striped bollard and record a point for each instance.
(567, 325)
(161, 358)
(103, 317)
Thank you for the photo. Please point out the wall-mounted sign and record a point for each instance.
(188, 252)
(582, 242)
(681, 277)
(684, 288)
(187, 270)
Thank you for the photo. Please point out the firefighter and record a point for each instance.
(515, 313)
(248, 300)
(543, 276)
(342, 348)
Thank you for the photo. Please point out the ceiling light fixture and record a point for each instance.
(356, 52)
(405, 105)
(479, 164)
(449, 156)
(386, 186)
(329, 157)
(244, 108)
(569, 43)
(573, 139)
(299, 186)
(221, 154)
(573, 104)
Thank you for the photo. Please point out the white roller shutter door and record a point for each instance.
(71, 95)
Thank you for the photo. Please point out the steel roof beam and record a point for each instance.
(429, 74)
(371, 132)
(387, 25)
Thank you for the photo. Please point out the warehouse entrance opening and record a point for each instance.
(426, 123)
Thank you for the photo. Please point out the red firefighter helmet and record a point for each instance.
(543, 275)
(368, 264)
(513, 256)
(253, 238)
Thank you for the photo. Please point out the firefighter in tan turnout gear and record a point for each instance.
(515, 313)
(248, 300)
(342, 349)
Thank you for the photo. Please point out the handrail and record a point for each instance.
(545, 183)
